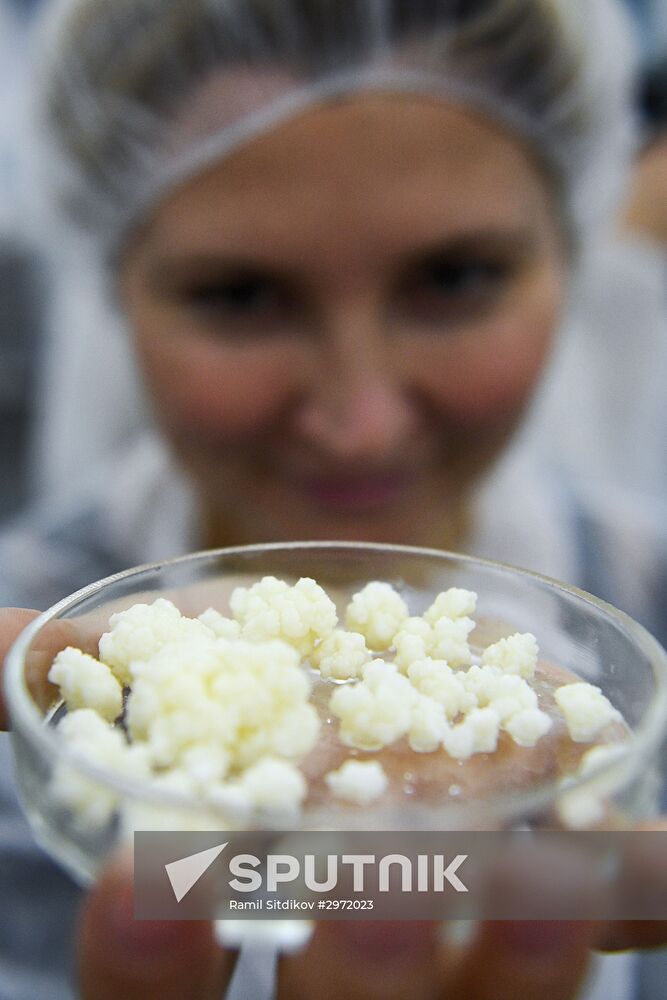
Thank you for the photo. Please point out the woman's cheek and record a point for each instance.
(489, 375)
(215, 392)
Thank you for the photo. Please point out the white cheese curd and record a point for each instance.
(376, 711)
(205, 763)
(341, 656)
(92, 805)
(378, 612)
(506, 706)
(271, 609)
(222, 627)
(436, 680)
(598, 756)
(142, 630)
(231, 798)
(452, 603)
(412, 642)
(485, 726)
(176, 781)
(86, 683)
(517, 654)
(586, 710)
(527, 726)
(137, 816)
(480, 681)
(358, 781)
(476, 733)
(450, 641)
(274, 784)
(580, 808)
(379, 673)
(87, 734)
(428, 724)
(170, 705)
(446, 639)
(144, 815)
(219, 709)
(459, 741)
(506, 693)
(249, 699)
(270, 785)
(293, 734)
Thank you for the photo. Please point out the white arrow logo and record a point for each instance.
(186, 872)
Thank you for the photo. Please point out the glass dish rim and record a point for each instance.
(26, 718)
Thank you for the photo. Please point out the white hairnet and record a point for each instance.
(137, 95)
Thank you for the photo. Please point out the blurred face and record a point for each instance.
(341, 323)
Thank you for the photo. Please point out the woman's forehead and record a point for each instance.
(382, 163)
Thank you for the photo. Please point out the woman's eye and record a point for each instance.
(237, 295)
(462, 279)
(456, 290)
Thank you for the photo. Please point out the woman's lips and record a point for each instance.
(355, 492)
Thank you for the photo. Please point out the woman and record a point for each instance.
(341, 237)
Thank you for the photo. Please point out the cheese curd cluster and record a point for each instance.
(586, 710)
(208, 711)
(219, 707)
(90, 736)
(442, 633)
(582, 808)
(141, 631)
(341, 656)
(271, 609)
(377, 612)
(361, 782)
(444, 705)
(425, 694)
(435, 706)
(84, 682)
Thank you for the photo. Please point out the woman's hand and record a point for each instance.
(142, 960)
(532, 960)
(12, 623)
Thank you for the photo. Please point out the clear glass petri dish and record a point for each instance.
(577, 634)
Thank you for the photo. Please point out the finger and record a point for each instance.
(12, 623)
(530, 960)
(648, 871)
(141, 959)
(388, 961)
(619, 935)
(364, 960)
(82, 633)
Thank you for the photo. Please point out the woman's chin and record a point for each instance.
(415, 526)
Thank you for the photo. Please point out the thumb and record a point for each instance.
(364, 960)
(367, 960)
(533, 960)
(12, 623)
(144, 959)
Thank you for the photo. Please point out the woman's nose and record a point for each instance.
(358, 407)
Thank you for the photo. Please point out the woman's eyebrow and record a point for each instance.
(166, 269)
(508, 242)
